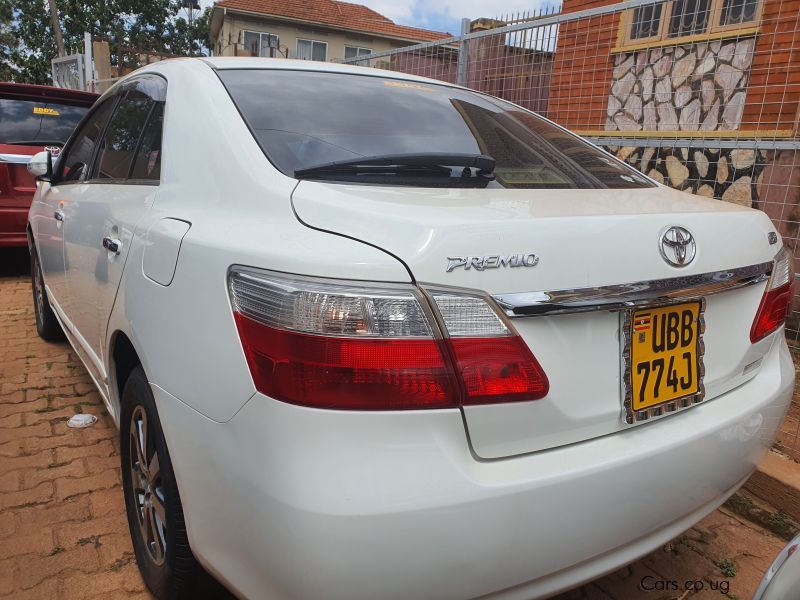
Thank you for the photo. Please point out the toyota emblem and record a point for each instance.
(677, 246)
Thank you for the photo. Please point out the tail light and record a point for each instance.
(365, 346)
(492, 361)
(777, 300)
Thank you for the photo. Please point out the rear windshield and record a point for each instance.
(26, 122)
(302, 119)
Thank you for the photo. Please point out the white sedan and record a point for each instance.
(368, 335)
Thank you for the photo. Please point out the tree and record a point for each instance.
(183, 40)
(7, 40)
(144, 25)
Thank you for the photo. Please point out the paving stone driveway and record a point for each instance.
(63, 532)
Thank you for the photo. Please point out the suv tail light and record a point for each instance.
(777, 300)
(366, 346)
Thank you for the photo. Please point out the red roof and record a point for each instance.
(354, 17)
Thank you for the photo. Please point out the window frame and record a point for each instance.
(115, 97)
(97, 158)
(148, 181)
(261, 35)
(58, 176)
(627, 22)
(297, 48)
(716, 15)
(713, 28)
(358, 50)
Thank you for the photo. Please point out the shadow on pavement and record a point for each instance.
(14, 262)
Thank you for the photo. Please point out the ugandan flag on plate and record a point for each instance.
(642, 322)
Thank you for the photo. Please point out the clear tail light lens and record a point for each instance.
(777, 300)
(360, 346)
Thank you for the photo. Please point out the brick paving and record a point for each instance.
(63, 532)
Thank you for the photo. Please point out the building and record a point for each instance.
(325, 30)
(719, 77)
(678, 67)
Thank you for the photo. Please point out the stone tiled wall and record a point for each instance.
(694, 87)
(734, 175)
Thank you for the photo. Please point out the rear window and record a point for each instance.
(302, 119)
(27, 122)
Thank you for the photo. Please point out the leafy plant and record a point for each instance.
(727, 567)
(27, 43)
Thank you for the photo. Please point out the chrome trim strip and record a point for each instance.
(627, 295)
(16, 159)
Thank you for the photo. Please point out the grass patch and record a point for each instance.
(45, 409)
(56, 550)
(126, 559)
(727, 567)
(94, 540)
(778, 522)
(741, 504)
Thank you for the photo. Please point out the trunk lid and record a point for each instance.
(582, 239)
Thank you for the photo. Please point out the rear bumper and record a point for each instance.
(283, 501)
(13, 222)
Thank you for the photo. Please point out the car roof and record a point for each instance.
(287, 64)
(47, 93)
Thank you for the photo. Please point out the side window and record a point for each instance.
(73, 164)
(147, 165)
(121, 139)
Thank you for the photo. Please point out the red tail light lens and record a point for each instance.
(346, 373)
(777, 300)
(357, 346)
(500, 369)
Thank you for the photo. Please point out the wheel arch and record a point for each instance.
(29, 235)
(124, 359)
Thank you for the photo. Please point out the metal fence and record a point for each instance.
(702, 95)
(69, 72)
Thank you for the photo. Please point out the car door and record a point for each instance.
(56, 199)
(100, 224)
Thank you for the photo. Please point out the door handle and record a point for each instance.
(112, 245)
(58, 215)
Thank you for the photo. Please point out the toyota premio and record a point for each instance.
(367, 335)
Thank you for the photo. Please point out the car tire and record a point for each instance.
(152, 501)
(47, 325)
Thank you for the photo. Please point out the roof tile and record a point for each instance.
(336, 14)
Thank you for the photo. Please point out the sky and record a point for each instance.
(441, 15)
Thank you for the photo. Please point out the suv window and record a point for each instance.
(74, 162)
(121, 139)
(32, 123)
(370, 116)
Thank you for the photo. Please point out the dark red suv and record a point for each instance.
(32, 117)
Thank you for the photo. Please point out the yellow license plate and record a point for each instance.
(664, 349)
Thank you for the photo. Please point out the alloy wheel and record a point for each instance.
(38, 288)
(147, 488)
